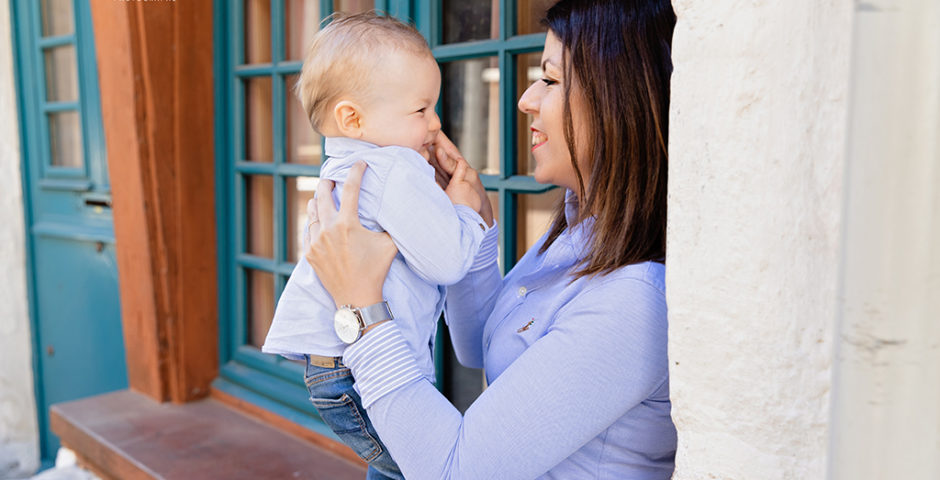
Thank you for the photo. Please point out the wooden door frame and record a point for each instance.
(155, 70)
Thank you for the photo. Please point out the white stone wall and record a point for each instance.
(886, 405)
(803, 273)
(758, 125)
(19, 448)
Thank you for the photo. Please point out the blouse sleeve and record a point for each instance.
(604, 354)
(470, 301)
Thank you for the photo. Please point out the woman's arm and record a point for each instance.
(603, 356)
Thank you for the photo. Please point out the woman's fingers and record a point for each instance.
(349, 205)
(446, 152)
(325, 208)
(312, 226)
(440, 175)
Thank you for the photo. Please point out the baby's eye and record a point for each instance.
(421, 110)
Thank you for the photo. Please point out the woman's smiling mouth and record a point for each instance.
(538, 138)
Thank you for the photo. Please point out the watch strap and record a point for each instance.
(375, 313)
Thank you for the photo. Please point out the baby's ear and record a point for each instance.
(348, 118)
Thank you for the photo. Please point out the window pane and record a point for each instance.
(494, 202)
(461, 385)
(471, 110)
(299, 191)
(534, 216)
(61, 74)
(303, 144)
(257, 31)
(260, 311)
(65, 139)
(353, 6)
(302, 18)
(259, 222)
(57, 17)
(258, 125)
(529, 15)
(528, 70)
(466, 20)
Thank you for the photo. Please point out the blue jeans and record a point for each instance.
(331, 391)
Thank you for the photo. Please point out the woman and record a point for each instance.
(573, 339)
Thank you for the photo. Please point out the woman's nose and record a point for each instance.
(528, 102)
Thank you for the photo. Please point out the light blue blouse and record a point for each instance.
(578, 382)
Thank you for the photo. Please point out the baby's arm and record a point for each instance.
(437, 238)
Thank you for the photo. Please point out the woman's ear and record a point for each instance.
(348, 118)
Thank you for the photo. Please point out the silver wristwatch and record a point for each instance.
(349, 321)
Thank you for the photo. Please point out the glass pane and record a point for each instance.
(65, 139)
(258, 125)
(494, 202)
(470, 110)
(466, 20)
(299, 191)
(353, 6)
(528, 70)
(57, 17)
(303, 144)
(302, 18)
(529, 15)
(61, 74)
(260, 291)
(534, 216)
(257, 31)
(461, 385)
(259, 224)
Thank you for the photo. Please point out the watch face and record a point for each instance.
(346, 324)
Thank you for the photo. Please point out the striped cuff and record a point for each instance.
(381, 362)
(489, 249)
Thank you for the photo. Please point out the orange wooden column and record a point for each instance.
(156, 82)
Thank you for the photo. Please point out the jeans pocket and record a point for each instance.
(346, 420)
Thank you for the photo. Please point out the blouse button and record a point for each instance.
(522, 291)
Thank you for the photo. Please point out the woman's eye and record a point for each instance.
(548, 81)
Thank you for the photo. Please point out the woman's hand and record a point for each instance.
(350, 261)
(443, 157)
(457, 182)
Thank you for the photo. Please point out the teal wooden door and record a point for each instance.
(74, 298)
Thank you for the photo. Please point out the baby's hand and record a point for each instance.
(460, 190)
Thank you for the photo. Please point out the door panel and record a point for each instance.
(74, 296)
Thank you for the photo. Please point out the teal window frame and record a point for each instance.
(35, 106)
(271, 382)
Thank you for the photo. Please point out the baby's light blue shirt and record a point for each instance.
(437, 242)
(577, 373)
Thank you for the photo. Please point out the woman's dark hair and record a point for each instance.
(617, 52)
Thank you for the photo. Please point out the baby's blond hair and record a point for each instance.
(344, 53)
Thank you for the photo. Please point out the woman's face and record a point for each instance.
(545, 101)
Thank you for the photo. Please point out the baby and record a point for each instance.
(369, 85)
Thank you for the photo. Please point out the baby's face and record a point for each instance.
(401, 110)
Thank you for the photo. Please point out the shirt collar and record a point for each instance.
(343, 146)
